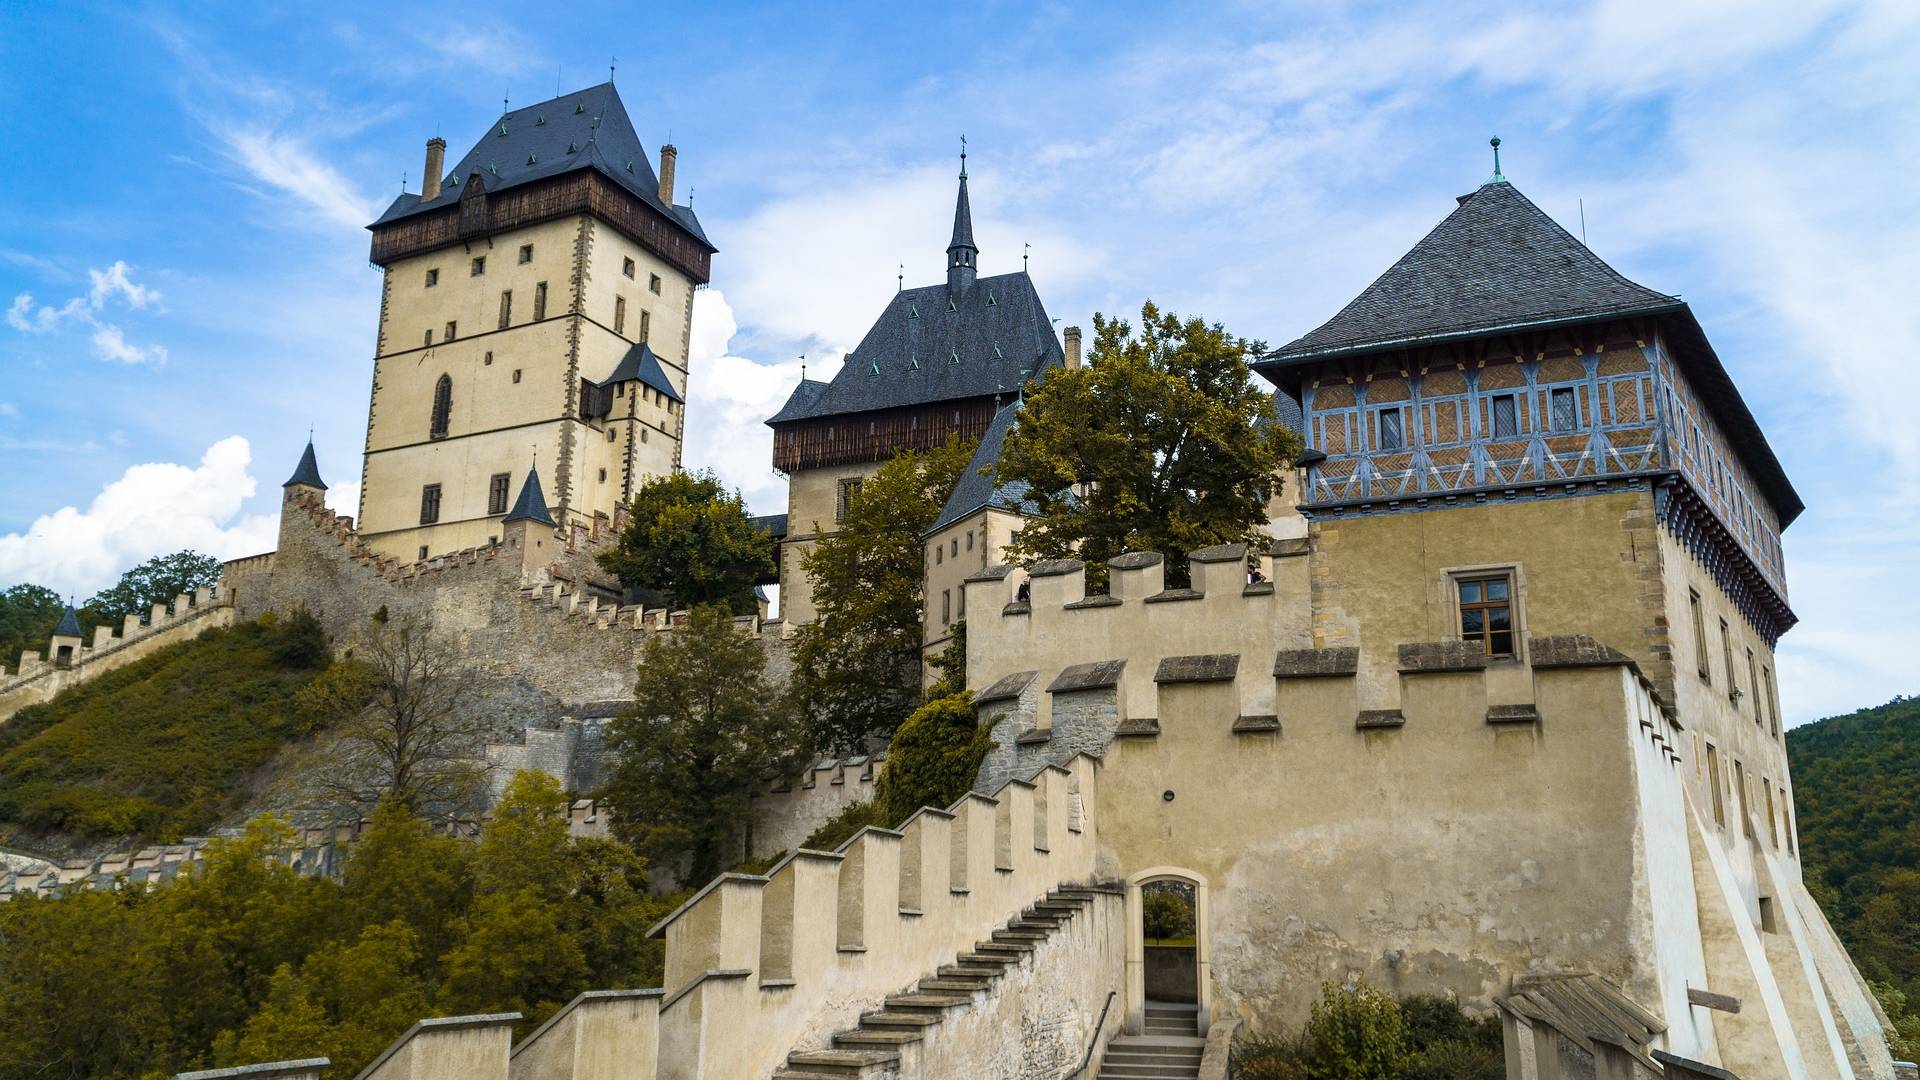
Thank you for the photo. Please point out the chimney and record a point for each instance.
(436, 167)
(1073, 346)
(667, 154)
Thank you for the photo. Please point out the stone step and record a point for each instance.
(1011, 948)
(899, 1018)
(1019, 935)
(1149, 1072)
(877, 1038)
(997, 959)
(841, 1062)
(925, 1002)
(952, 986)
(1148, 1057)
(971, 971)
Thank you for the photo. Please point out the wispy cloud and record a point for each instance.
(113, 285)
(289, 166)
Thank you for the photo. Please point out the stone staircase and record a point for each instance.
(872, 1050)
(1169, 1047)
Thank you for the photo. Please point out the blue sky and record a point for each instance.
(185, 189)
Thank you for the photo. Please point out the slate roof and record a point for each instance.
(935, 344)
(307, 472)
(1496, 262)
(640, 365)
(69, 624)
(962, 214)
(975, 488)
(532, 503)
(587, 129)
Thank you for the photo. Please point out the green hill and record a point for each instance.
(163, 747)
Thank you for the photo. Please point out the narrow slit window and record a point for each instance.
(442, 408)
(506, 308)
(1713, 782)
(646, 325)
(1699, 636)
(453, 329)
(540, 301)
(619, 314)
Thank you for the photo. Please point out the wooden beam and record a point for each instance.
(1707, 999)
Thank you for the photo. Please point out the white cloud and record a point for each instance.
(151, 509)
(109, 343)
(115, 281)
(288, 165)
(730, 399)
(113, 284)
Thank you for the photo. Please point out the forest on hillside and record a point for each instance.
(1857, 789)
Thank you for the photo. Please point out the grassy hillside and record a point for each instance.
(160, 748)
(1857, 788)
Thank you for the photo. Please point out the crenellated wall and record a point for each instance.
(39, 677)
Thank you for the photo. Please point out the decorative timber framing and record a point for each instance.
(877, 435)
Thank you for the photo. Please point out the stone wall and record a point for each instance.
(38, 678)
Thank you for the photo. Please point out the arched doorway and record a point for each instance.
(1168, 958)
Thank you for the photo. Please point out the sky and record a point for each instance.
(185, 190)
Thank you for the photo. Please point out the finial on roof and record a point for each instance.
(963, 156)
(900, 278)
(503, 103)
(962, 256)
(1025, 250)
(803, 367)
(1496, 178)
(612, 62)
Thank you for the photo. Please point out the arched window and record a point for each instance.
(442, 407)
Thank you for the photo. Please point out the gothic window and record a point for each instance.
(526, 254)
(429, 504)
(1506, 416)
(497, 487)
(619, 314)
(442, 407)
(506, 308)
(1566, 415)
(540, 301)
(478, 267)
(1486, 612)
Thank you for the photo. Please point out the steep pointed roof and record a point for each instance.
(307, 472)
(962, 215)
(532, 503)
(640, 365)
(69, 624)
(1497, 262)
(976, 489)
(587, 129)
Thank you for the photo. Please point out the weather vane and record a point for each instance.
(1025, 250)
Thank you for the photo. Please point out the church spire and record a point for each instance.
(962, 256)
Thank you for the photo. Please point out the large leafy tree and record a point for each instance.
(1161, 443)
(704, 727)
(156, 581)
(857, 666)
(28, 614)
(690, 537)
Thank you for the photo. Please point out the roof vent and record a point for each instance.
(541, 119)
(503, 131)
(951, 306)
(990, 300)
(873, 368)
(913, 310)
(953, 357)
(996, 351)
(578, 108)
(913, 361)
(529, 159)
(629, 166)
(492, 168)
(573, 148)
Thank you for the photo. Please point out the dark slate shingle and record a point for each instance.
(975, 488)
(640, 365)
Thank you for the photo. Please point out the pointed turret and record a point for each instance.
(69, 624)
(962, 257)
(532, 503)
(307, 473)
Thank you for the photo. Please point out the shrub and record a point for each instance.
(837, 829)
(1353, 1034)
(1165, 914)
(932, 759)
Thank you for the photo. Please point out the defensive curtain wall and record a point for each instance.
(1440, 826)
(69, 661)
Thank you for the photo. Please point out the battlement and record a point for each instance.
(70, 661)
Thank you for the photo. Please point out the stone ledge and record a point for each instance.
(1097, 675)
(1258, 588)
(1249, 724)
(1316, 663)
(1206, 667)
(1094, 602)
(1017, 608)
(996, 572)
(1135, 560)
(1055, 567)
(1174, 594)
(1379, 718)
(262, 1071)
(1035, 736)
(1137, 728)
(1512, 714)
(1006, 688)
(1575, 650)
(1219, 553)
(1420, 658)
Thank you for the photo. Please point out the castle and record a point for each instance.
(1496, 718)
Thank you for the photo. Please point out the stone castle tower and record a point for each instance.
(536, 309)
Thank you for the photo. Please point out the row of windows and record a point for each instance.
(628, 268)
(1779, 823)
(1390, 421)
(940, 550)
(506, 313)
(1760, 680)
(478, 265)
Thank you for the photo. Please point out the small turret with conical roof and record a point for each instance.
(67, 639)
(528, 526)
(532, 503)
(963, 258)
(306, 475)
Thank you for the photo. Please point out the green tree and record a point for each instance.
(156, 581)
(1165, 915)
(703, 729)
(1354, 1034)
(857, 665)
(951, 663)
(348, 1002)
(932, 759)
(1161, 443)
(400, 870)
(691, 538)
(28, 614)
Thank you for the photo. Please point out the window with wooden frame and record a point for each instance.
(1713, 782)
(1505, 410)
(497, 486)
(1486, 611)
(1565, 411)
(1390, 428)
(844, 497)
(1699, 636)
(429, 504)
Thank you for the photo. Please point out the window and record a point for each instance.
(423, 553)
(526, 254)
(516, 374)
(653, 283)
(453, 329)
(1506, 416)
(848, 489)
(955, 550)
(497, 492)
(1740, 793)
(612, 435)
(1726, 659)
(1713, 781)
(506, 308)
(643, 434)
(1486, 612)
(626, 267)
(540, 301)
(939, 554)
(429, 506)
(603, 476)
(963, 601)
(1566, 414)
(646, 324)
(488, 361)
(946, 606)
(479, 266)
(1786, 818)
(969, 539)
(619, 314)
(1699, 636)
(433, 277)
(1753, 683)
(442, 408)
(1393, 434)
(1773, 702)
(1773, 823)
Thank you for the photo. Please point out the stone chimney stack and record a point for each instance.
(667, 155)
(1073, 346)
(436, 168)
